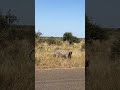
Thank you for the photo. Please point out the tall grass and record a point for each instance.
(103, 73)
(44, 55)
(16, 70)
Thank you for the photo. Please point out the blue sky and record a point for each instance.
(55, 17)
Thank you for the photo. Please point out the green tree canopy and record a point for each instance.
(93, 31)
(70, 38)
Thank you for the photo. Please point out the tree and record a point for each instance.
(67, 36)
(75, 39)
(38, 34)
(11, 18)
(70, 38)
(93, 31)
(7, 20)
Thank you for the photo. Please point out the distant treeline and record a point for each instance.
(57, 38)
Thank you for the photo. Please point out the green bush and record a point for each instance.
(70, 38)
(75, 39)
(94, 32)
(53, 40)
(67, 36)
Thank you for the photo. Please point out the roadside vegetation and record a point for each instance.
(16, 41)
(46, 46)
(104, 56)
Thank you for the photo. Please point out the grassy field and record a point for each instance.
(44, 55)
(103, 72)
(16, 70)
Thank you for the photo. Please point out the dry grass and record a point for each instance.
(44, 56)
(102, 74)
(16, 71)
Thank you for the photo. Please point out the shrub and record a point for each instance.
(75, 39)
(94, 32)
(7, 20)
(52, 40)
(38, 34)
(67, 36)
(70, 38)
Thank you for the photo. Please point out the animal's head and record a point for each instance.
(69, 54)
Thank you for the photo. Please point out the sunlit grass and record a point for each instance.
(44, 56)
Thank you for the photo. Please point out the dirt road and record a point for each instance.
(60, 79)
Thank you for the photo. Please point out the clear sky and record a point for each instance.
(55, 17)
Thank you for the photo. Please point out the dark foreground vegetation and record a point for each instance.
(103, 54)
(16, 41)
(16, 69)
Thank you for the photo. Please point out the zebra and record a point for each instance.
(63, 53)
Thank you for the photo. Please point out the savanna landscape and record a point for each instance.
(46, 46)
(100, 49)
